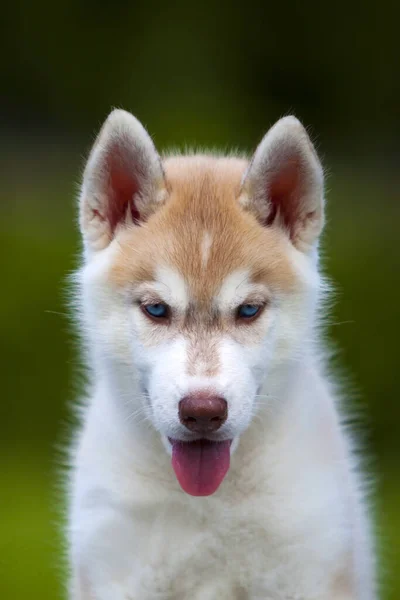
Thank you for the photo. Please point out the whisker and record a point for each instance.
(55, 312)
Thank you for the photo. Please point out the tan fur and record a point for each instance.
(203, 205)
(343, 583)
(203, 198)
(203, 358)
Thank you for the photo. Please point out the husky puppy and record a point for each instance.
(211, 463)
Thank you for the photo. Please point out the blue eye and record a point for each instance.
(247, 311)
(157, 311)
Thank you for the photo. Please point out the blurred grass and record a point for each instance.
(31, 543)
(38, 244)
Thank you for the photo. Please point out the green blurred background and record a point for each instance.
(217, 75)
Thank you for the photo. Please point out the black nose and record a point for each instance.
(203, 412)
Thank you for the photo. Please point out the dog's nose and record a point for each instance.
(202, 412)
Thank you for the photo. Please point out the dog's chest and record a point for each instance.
(213, 553)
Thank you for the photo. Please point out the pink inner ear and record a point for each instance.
(123, 186)
(284, 190)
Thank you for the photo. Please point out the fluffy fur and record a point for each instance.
(204, 235)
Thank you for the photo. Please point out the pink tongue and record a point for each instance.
(200, 466)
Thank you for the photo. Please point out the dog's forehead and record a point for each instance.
(202, 240)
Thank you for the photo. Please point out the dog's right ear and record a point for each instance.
(123, 182)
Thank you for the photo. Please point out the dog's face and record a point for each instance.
(200, 280)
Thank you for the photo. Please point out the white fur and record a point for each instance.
(289, 516)
(173, 287)
(206, 248)
(237, 288)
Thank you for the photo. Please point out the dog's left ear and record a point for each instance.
(284, 184)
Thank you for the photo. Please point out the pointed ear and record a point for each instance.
(123, 181)
(284, 184)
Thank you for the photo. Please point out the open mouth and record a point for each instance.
(200, 466)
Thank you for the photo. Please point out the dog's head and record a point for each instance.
(200, 277)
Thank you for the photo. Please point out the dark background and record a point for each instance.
(218, 76)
